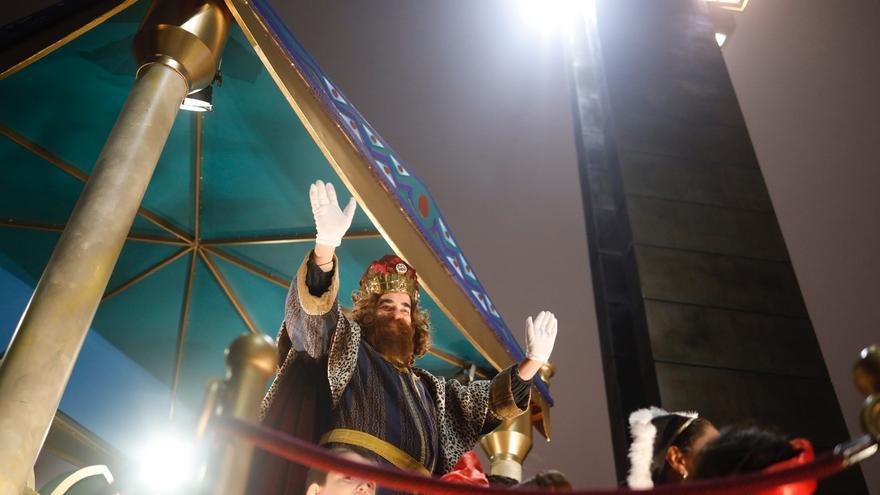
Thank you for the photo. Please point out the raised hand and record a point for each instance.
(331, 222)
(540, 336)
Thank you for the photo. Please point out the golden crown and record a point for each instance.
(391, 274)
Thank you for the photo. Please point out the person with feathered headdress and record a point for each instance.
(664, 445)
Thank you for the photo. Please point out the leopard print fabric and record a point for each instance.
(343, 357)
(461, 412)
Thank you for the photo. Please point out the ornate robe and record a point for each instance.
(407, 418)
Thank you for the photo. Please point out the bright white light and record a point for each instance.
(551, 16)
(734, 5)
(720, 38)
(166, 464)
(196, 105)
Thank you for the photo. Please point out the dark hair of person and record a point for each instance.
(684, 440)
(742, 450)
(551, 478)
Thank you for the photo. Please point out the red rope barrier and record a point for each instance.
(302, 452)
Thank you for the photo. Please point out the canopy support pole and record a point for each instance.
(52, 329)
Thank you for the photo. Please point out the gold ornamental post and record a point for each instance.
(866, 374)
(250, 361)
(178, 48)
(508, 445)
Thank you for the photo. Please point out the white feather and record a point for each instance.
(641, 451)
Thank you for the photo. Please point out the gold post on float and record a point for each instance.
(250, 361)
(178, 49)
(508, 445)
(866, 374)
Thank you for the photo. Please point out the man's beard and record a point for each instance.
(391, 337)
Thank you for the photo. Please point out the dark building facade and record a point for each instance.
(699, 307)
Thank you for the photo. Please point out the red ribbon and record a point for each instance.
(303, 452)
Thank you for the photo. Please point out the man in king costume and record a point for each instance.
(350, 382)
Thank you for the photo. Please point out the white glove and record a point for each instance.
(331, 222)
(540, 336)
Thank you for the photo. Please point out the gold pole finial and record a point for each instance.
(185, 35)
(866, 374)
(866, 371)
(547, 370)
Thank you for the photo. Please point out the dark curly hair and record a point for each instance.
(364, 313)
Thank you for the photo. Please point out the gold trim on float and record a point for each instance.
(48, 227)
(43, 153)
(67, 38)
(78, 174)
(227, 289)
(146, 273)
(77, 445)
(191, 272)
(456, 361)
(287, 239)
(387, 451)
(275, 279)
(357, 175)
(181, 333)
(163, 224)
(198, 177)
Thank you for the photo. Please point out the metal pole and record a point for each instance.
(51, 331)
(178, 48)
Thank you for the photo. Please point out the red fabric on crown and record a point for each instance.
(388, 264)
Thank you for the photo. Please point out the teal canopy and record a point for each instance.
(226, 219)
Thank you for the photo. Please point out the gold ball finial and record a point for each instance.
(871, 416)
(866, 371)
(252, 351)
(547, 371)
(186, 35)
(866, 374)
